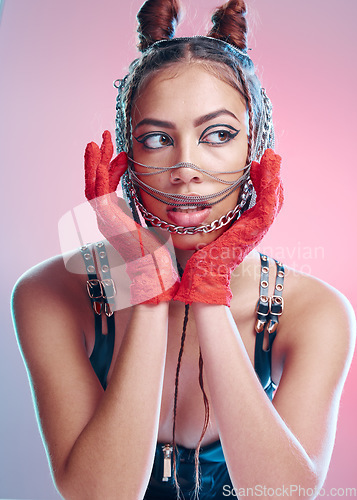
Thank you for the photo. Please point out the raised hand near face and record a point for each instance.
(206, 278)
(148, 261)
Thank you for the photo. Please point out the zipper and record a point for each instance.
(167, 451)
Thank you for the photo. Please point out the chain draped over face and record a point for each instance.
(132, 180)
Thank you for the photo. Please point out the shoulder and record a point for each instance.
(318, 322)
(316, 316)
(309, 297)
(52, 289)
(50, 279)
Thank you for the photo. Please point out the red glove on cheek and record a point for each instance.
(149, 263)
(207, 274)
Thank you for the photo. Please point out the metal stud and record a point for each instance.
(97, 307)
(264, 284)
(272, 326)
(107, 310)
(90, 269)
(265, 270)
(105, 269)
(281, 274)
(259, 325)
(279, 287)
(87, 256)
(102, 255)
(99, 244)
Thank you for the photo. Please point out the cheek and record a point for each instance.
(154, 206)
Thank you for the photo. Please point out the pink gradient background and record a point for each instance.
(58, 62)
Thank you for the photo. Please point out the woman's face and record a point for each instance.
(185, 114)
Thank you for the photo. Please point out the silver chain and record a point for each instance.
(213, 226)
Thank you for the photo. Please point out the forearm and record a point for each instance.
(115, 451)
(258, 446)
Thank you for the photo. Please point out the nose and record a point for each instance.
(184, 173)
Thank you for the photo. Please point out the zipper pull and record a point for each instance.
(167, 451)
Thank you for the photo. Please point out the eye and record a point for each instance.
(219, 136)
(155, 140)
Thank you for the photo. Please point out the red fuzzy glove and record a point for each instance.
(148, 261)
(207, 274)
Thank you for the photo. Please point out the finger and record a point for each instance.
(102, 180)
(102, 176)
(256, 175)
(266, 175)
(106, 148)
(280, 196)
(116, 169)
(91, 162)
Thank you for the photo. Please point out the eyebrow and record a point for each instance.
(211, 116)
(199, 121)
(155, 123)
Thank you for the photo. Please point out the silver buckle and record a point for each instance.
(90, 286)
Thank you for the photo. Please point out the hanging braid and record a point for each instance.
(205, 425)
(178, 367)
(248, 100)
(205, 402)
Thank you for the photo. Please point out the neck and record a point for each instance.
(183, 256)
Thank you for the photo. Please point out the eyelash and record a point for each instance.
(231, 135)
(143, 138)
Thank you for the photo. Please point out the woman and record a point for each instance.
(194, 128)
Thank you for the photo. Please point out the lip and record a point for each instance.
(192, 218)
(188, 219)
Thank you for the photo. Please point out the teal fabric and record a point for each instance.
(215, 480)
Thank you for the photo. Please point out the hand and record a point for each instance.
(207, 274)
(148, 261)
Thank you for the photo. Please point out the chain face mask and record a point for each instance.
(181, 200)
(133, 182)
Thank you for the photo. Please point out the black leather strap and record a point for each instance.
(263, 306)
(107, 283)
(101, 294)
(277, 301)
(269, 309)
(94, 287)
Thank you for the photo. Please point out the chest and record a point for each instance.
(182, 373)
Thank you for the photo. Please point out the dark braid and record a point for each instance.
(179, 359)
(248, 99)
(205, 402)
(205, 424)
